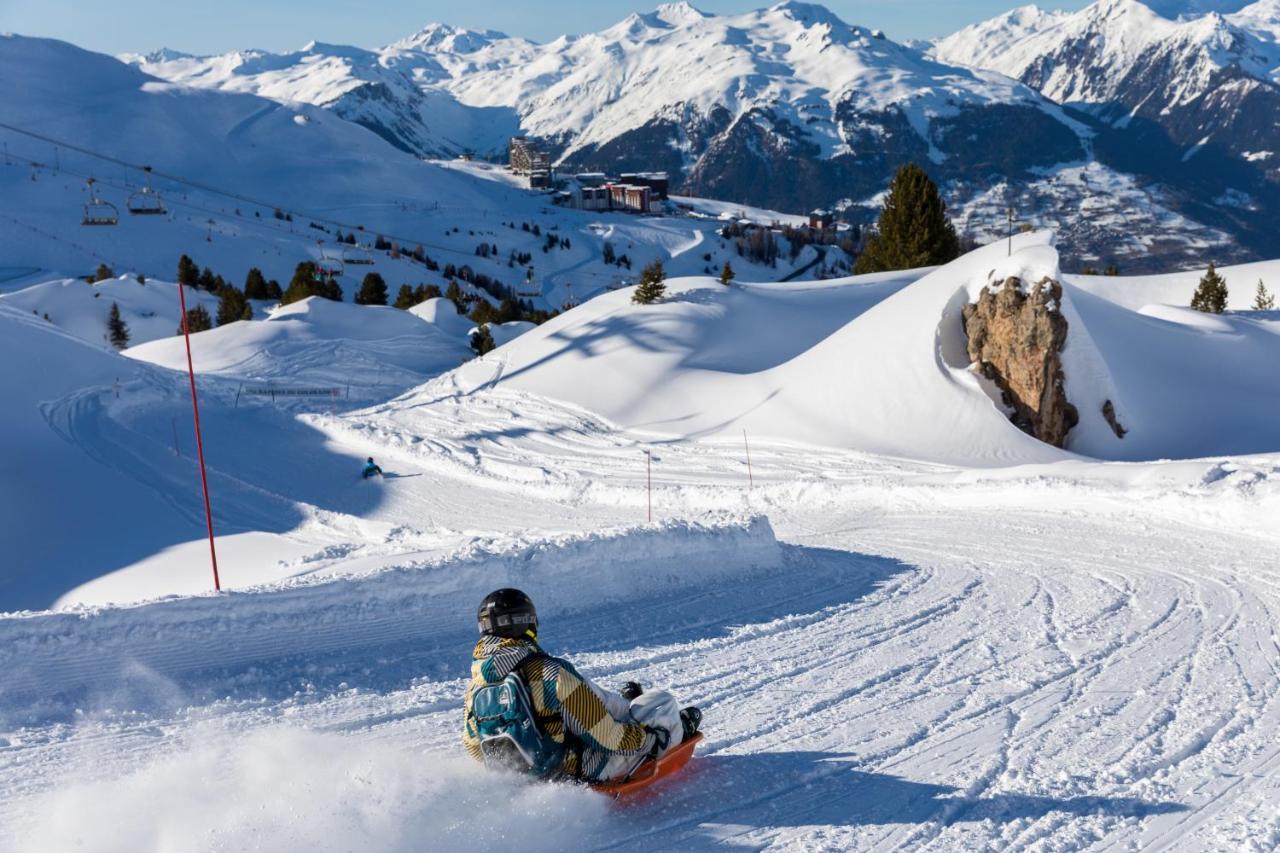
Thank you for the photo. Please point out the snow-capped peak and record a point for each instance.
(448, 38)
(679, 14)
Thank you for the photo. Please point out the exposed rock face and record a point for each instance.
(1109, 414)
(1016, 338)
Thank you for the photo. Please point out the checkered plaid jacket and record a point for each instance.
(570, 709)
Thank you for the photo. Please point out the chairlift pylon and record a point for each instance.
(98, 211)
(146, 201)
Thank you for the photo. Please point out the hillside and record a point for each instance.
(791, 108)
(250, 182)
(1192, 103)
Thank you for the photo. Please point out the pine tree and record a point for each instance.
(274, 291)
(373, 290)
(726, 274)
(1262, 299)
(913, 230)
(404, 297)
(307, 281)
(454, 294)
(103, 272)
(117, 329)
(198, 320)
(483, 313)
(652, 286)
(255, 286)
(482, 340)
(1211, 294)
(206, 281)
(188, 272)
(232, 305)
(508, 311)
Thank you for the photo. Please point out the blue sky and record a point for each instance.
(214, 26)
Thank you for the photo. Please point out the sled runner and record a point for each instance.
(651, 771)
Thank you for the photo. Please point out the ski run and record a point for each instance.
(786, 494)
(1005, 647)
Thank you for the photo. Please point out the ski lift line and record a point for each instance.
(404, 241)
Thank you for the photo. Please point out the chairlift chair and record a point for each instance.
(146, 201)
(98, 211)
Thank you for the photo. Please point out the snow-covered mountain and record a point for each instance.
(1192, 102)
(790, 91)
(790, 107)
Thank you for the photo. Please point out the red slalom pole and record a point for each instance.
(195, 409)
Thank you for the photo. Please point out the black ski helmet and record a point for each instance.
(507, 613)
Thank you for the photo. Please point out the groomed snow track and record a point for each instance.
(1023, 679)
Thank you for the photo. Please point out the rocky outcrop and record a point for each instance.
(1109, 415)
(1016, 338)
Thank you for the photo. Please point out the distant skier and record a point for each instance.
(578, 730)
(370, 469)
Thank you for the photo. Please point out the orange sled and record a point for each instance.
(651, 771)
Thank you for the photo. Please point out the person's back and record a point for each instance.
(370, 469)
(598, 731)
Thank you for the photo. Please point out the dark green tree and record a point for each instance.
(274, 291)
(232, 305)
(198, 320)
(483, 313)
(913, 230)
(373, 290)
(307, 281)
(652, 286)
(1262, 299)
(455, 295)
(482, 341)
(508, 311)
(1211, 294)
(188, 272)
(726, 274)
(404, 297)
(117, 329)
(207, 280)
(103, 272)
(255, 286)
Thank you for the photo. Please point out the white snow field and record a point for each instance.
(909, 625)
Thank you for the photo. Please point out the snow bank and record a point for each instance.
(865, 363)
(287, 789)
(1139, 291)
(318, 341)
(49, 652)
(881, 366)
(151, 310)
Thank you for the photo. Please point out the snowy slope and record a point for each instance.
(54, 386)
(328, 344)
(891, 653)
(226, 162)
(151, 309)
(869, 367)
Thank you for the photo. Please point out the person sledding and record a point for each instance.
(371, 469)
(533, 713)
